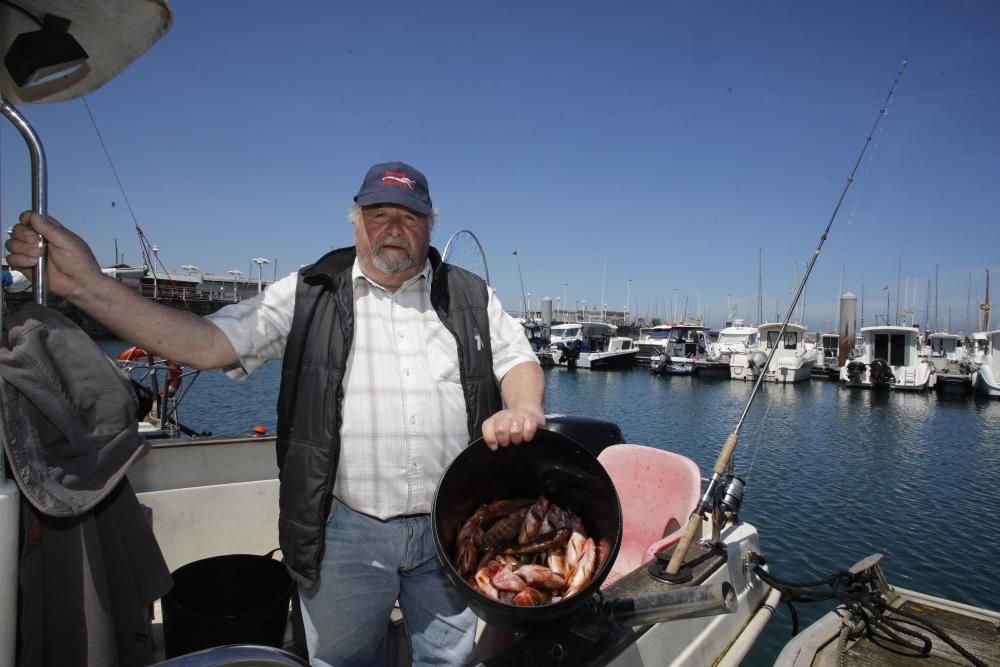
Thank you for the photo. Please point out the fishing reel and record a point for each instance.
(726, 504)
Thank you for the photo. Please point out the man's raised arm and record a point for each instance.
(73, 273)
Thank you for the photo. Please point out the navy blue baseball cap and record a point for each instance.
(395, 183)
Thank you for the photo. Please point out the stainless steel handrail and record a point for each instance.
(39, 188)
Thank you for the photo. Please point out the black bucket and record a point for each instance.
(552, 465)
(231, 599)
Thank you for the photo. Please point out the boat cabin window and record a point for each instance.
(891, 347)
(897, 353)
(791, 339)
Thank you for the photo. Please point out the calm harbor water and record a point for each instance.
(832, 474)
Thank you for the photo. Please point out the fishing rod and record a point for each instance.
(725, 456)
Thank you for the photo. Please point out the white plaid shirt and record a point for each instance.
(404, 408)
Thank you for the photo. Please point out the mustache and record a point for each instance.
(394, 240)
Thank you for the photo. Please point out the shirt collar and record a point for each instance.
(357, 274)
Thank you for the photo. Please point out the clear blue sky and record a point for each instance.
(670, 140)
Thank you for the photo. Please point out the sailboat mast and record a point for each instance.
(927, 306)
(899, 276)
(968, 300)
(760, 286)
(936, 291)
(604, 314)
(986, 305)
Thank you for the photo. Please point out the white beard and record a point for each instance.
(393, 263)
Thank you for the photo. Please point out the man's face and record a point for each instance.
(392, 243)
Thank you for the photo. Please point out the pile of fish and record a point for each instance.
(525, 552)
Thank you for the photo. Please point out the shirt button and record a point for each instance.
(406, 372)
(413, 420)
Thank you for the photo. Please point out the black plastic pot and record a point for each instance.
(551, 464)
(231, 599)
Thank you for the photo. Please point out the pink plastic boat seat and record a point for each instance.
(658, 490)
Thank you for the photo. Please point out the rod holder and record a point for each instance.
(688, 602)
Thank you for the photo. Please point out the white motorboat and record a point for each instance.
(944, 345)
(976, 348)
(791, 361)
(651, 342)
(737, 339)
(680, 348)
(826, 349)
(590, 345)
(889, 358)
(985, 375)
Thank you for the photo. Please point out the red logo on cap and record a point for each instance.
(398, 178)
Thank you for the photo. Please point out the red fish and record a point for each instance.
(505, 579)
(584, 570)
(531, 597)
(538, 576)
(533, 520)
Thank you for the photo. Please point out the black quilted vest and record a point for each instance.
(310, 401)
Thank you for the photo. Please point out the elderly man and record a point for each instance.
(391, 365)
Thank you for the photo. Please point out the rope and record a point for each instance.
(869, 610)
(151, 258)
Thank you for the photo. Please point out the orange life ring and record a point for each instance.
(174, 370)
(132, 353)
(174, 374)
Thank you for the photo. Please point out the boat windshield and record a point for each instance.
(571, 332)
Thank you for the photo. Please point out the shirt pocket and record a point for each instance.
(442, 354)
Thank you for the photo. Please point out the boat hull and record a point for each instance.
(906, 378)
(607, 360)
(985, 382)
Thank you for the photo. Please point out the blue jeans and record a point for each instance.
(368, 565)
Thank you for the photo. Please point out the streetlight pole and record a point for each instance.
(156, 260)
(234, 273)
(564, 301)
(260, 262)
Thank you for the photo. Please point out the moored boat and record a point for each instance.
(889, 359)
(680, 348)
(589, 345)
(790, 362)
